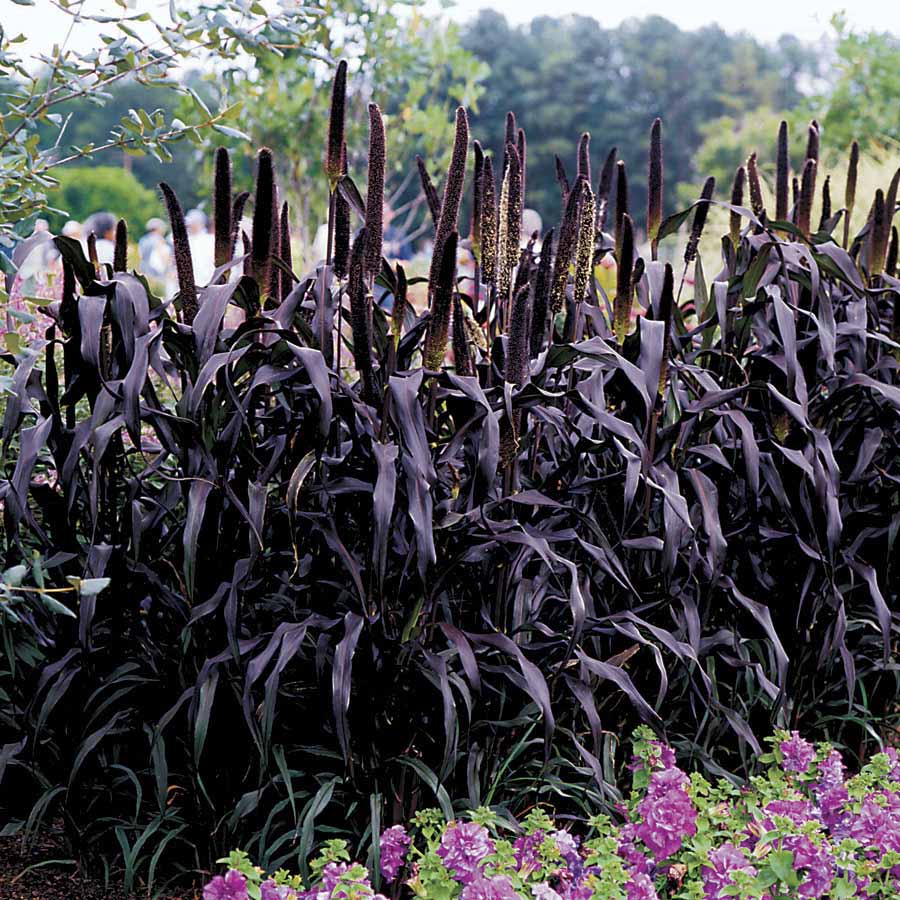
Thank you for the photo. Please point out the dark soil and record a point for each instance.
(58, 881)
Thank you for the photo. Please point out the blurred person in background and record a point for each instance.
(155, 251)
(103, 226)
(73, 229)
(38, 279)
(202, 244)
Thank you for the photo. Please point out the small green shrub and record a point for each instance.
(84, 190)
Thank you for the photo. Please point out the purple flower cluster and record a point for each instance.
(800, 815)
(526, 848)
(230, 886)
(814, 861)
(640, 887)
(393, 845)
(463, 849)
(500, 887)
(667, 813)
(829, 789)
(719, 871)
(798, 753)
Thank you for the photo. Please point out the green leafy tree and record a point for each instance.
(563, 76)
(862, 102)
(410, 63)
(35, 105)
(90, 121)
(83, 191)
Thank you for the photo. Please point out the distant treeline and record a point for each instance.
(563, 76)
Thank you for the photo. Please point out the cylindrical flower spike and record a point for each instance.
(247, 253)
(517, 355)
(92, 252)
(503, 282)
(737, 199)
(584, 156)
(879, 234)
(526, 262)
(584, 254)
(184, 265)
(510, 137)
(475, 226)
(782, 173)
(541, 299)
(429, 190)
(624, 285)
(807, 194)
(604, 187)
(850, 190)
(341, 226)
(756, 200)
(666, 305)
(375, 192)
(700, 214)
(522, 148)
(336, 125)
(621, 201)
(488, 224)
(398, 309)
(222, 208)
(890, 198)
(826, 204)
(263, 217)
(568, 239)
(453, 188)
(274, 269)
(120, 255)
(655, 187)
(442, 303)
(237, 213)
(562, 178)
(890, 265)
(462, 355)
(286, 252)
(361, 315)
(510, 221)
(812, 141)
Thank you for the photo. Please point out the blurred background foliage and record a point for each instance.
(425, 65)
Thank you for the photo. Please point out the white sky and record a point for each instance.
(765, 19)
(43, 24)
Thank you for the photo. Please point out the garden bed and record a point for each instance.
(54, 882)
